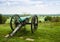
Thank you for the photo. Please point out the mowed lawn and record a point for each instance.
(46, 32)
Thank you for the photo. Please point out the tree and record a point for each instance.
(56, 19)
(0, 18)
(4, 18)
(48, 18)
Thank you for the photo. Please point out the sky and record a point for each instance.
(30, 6)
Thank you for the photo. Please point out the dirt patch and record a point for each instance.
(29, 39)
(21, 37)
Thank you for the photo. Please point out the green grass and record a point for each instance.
(46, 32)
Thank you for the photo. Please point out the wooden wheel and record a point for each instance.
(34, 24)
(14, 21)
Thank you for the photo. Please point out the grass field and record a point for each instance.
(46, 32)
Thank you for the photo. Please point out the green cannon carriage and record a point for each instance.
(18, 22)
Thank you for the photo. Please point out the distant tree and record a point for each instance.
(48, 18)
(56, 19)
(52, 19)
(0, 18)
(4, 18)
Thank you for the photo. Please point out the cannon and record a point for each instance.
(17, 22)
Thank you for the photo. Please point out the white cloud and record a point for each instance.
(32, 9)
(26, 2)
(28, 6)
(20, 0)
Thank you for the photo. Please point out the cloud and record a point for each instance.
(19, 2)
(29, 6)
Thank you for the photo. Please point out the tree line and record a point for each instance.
(3, 19)
(52, 19)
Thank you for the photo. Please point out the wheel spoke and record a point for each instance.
(14, 21)
(34, 23)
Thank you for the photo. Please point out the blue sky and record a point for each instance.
(30, 6)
